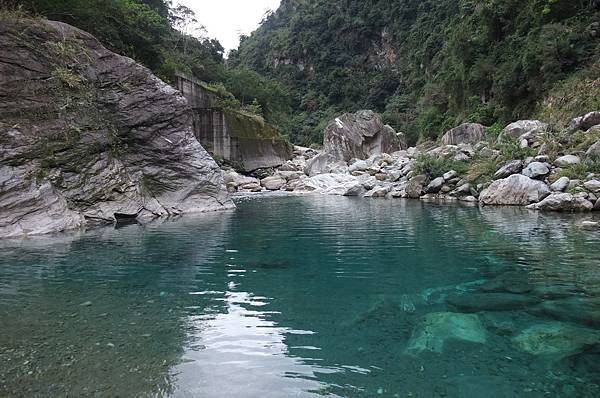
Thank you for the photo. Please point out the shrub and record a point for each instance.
(436, 167)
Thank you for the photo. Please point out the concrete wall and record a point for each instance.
(210, 127)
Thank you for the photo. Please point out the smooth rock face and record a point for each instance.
(556, 339)
(567, 160)
(564, 202)
(359, 135)
(536, 170)
(514, 190)
(114, 140)
(521, 127)
(438, 327)
(512, 167)
(467, 133)
(561, 184)
(335, 184)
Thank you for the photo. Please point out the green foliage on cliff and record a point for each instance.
(428, 65)
(165, 38)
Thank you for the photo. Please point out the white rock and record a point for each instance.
(567, 160)
(536, 170)
(561, 184)
(514, 190)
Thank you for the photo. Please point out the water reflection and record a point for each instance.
(242, 352)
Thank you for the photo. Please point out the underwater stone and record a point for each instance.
(437, 327)
(474, 302)
(556, 339)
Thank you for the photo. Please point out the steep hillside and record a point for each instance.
(428, 65)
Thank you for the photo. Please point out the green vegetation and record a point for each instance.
(436, 167)
(428, 65)
(163, 37)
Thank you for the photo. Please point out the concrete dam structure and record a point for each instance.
(245, 141)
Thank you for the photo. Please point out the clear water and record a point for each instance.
(301, 297)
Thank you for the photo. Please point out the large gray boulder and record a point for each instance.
(563, 202)
(521, 127)
(91, 136)
(467, 133)
(516, 190)
(585, 122)
(359, 135)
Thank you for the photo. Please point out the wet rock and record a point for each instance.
(467, 133)
(475, 302)
(556, 340)
(437, 327)
(561, 184)
(514, 190)
(563, 202)
(583, 310)
(512, 167)
(536, 170)
(567, 160)
(415, 186)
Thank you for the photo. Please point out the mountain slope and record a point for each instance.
(425, 64)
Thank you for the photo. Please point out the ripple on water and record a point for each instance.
(306, 296)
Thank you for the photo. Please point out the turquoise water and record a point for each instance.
(307, 296)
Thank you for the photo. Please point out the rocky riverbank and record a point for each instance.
(88, 136)
(527, 163)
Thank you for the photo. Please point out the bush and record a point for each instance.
(437, 167)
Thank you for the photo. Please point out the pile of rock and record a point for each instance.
(346, 168)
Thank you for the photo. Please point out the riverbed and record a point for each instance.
(303, 296)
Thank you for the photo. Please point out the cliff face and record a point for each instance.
(244, 140)
(87, 135)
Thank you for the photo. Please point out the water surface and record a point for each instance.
(306, 297)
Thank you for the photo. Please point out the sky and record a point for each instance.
(225, 20)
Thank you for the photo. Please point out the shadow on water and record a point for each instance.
(307, 296)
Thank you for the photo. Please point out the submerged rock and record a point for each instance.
(556, 340)
(475, 302)
(114, 140)
(437, 327)
(584, 310)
